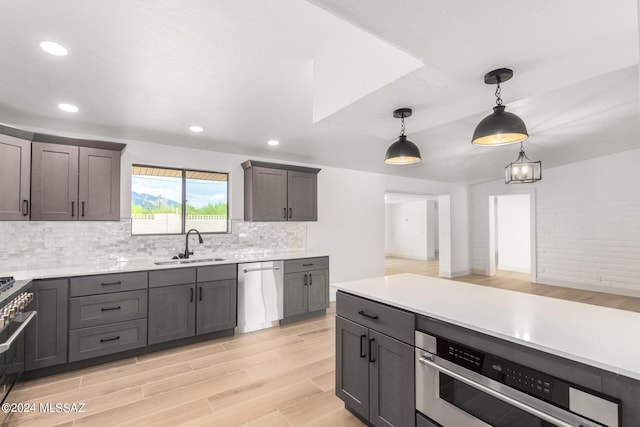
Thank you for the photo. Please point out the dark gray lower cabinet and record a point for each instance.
(186, 310)
(391, 370)
(95, 341)
(375, 375)
(216, 308)
(172, 312)
(46, 336)
(305, 291)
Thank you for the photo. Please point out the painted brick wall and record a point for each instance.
(587, 223)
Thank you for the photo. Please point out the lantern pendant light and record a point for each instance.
(523, 170)
(500, 127)
(403, 151)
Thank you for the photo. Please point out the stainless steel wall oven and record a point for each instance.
(458, 386)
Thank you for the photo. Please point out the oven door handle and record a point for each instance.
(7, 344)
(429, 361)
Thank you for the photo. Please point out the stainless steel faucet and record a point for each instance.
(186, 248)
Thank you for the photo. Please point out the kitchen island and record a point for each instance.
(591, 346)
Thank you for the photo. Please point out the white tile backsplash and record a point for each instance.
(45, 244)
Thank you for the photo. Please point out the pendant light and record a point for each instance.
(523, 170)
(500, 127)
(403, 151)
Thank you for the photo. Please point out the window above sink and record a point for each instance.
(171, 201)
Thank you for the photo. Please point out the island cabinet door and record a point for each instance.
(352, 365)
(216, 308)
(392, 388)
(172, 313)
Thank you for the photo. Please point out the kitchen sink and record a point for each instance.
(187, 261)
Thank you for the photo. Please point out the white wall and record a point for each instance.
(432, 229)
(514, 234)
(351, 213)
(587, 220)
(408, 229)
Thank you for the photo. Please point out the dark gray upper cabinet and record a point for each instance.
(15, 178)
(276, 192)
(54, 182)
(302, 196)
(74, 183)
(46, 336)
(99, 184)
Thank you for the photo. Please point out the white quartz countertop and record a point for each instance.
(603, 337)
(149, 264)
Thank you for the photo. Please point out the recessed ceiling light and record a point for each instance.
(68, 108)
(273, 142)
(53, 48)
(196, 128)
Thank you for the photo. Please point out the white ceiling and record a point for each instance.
(244, 70)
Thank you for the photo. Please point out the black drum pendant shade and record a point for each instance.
(403, 151)
(500, 127)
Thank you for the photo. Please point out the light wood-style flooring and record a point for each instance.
(274, 377)
(516, 282)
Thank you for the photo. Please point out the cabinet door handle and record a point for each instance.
(25, 208)
(371, 359)
(305, 280)
(310, 279)
(110, 283)
(110, 308)
(73, 208)
(190, 294)
(307, 265)
(285, 213)
(82, 206)
(362, 354)
(110, 339)
(200, 293)
(362, 313)
(290, 213)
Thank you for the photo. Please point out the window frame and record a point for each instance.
(183, 201)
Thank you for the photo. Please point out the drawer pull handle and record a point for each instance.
(362, 313)
(110, 339)
(307, 265)
(111, 284)
(110, 308)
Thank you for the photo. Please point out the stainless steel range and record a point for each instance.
(13, 321)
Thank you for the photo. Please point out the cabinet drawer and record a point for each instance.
(217, 272)
(107, 283)
(109, 308)
(305, 264)
(173, 276)
(391, 321)
(97, 341)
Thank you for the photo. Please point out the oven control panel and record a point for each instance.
(514, 375)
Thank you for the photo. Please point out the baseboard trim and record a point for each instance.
(516, 269)
(406, 256)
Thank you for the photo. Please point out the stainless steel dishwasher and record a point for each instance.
(260, 300)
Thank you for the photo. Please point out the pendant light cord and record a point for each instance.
(402, 126)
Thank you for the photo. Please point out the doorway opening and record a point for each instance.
(414, 233)
(512, 234)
